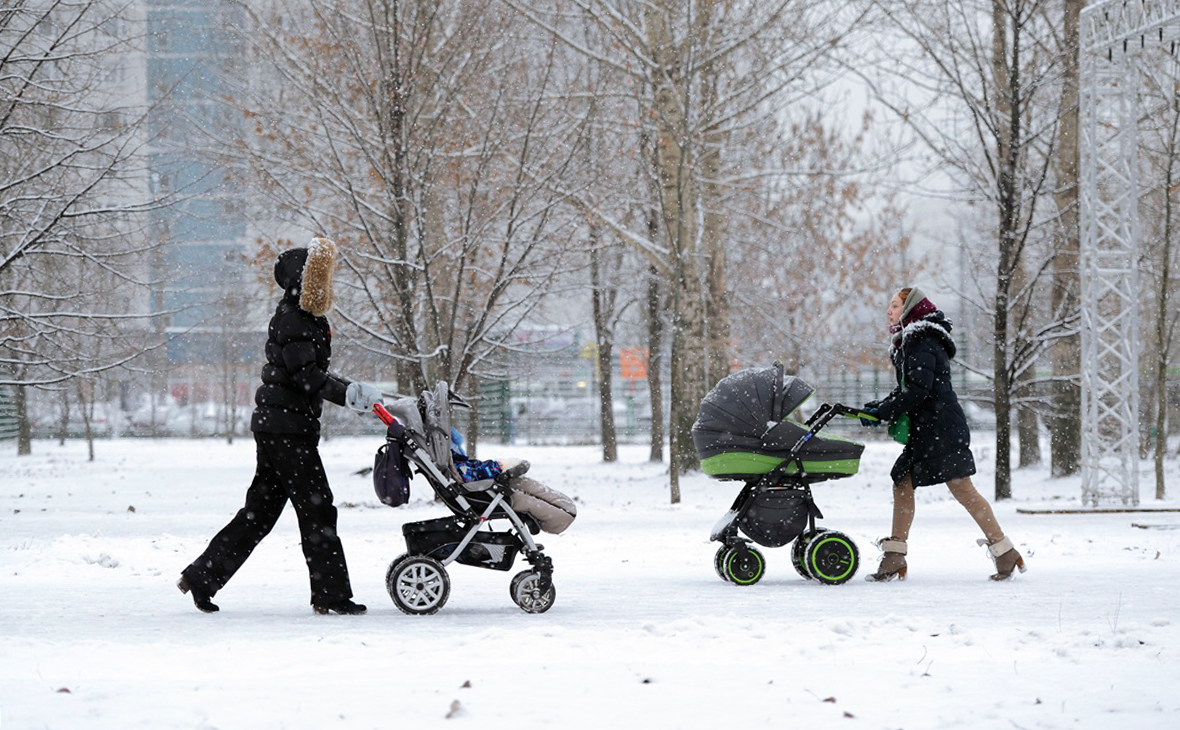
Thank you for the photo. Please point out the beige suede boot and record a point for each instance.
(1005, 556)
(892, 562)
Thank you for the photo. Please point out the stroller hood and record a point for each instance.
(742, 429)
(738, 413)
(427, 418)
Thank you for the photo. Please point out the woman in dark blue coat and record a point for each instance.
(939, 446)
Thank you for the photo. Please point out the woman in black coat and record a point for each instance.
(939, 446)
(286, 426)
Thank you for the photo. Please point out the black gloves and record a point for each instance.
(870, 410)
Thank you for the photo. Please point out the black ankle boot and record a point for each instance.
(344, 606)
(201, 599)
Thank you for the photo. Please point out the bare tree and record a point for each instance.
(699, 74)
(610, 299)
(655, 362)
(1161, 157)
(424, 136)
(1065, 432)
(819, 252)
(71, 176)
(984, 98)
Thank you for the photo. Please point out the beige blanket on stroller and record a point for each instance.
(552, 510)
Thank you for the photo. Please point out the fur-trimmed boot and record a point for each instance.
(892, 562)
(1005, 556)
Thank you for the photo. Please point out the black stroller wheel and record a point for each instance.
(719, 561)
(418, 585)
(747, 569)
(831, 557)
(526, 594)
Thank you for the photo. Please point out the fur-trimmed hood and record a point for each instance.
(935, 325)
(306, 275)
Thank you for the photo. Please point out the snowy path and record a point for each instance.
(93, 633)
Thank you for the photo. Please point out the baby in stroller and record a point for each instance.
(552, 510)
(419, 437)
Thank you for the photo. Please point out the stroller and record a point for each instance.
(742, 433)
(418, 436)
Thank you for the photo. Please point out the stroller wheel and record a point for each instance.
(418, 585)
(392, 571)
(719, 561)
(744, 570)
(831, 557)
(526, 594)
(799, 553)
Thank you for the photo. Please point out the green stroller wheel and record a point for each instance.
(799, 553)
(747, 569)
(831, 557)
(719, 561)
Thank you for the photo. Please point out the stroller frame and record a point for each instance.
(778, 507)
(417, 580)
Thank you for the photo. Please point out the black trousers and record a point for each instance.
(289, 468)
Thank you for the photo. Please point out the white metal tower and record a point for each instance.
(1120, 39)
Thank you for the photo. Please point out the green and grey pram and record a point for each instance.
(744, 433)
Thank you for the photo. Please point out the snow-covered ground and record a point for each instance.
(94, 634)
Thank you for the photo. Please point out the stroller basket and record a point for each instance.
(438, 538)
(777, 516)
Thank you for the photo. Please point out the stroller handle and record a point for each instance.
(385, 416)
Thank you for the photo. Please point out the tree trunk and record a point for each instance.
(86, 408)
(655, 358)
(229, 382)
(1029, 436)
(1002, 397)
(1163, 330)
(716, 309)
(473, 434)
(24, 430)
(63, 426)
(1008, 118)
(1065, 425)
(676, 192)
(603, 306)
(396, 89)
(688, 376)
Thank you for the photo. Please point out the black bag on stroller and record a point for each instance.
(391, 475)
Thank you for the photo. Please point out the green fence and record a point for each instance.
(495, 410)
(8, 422)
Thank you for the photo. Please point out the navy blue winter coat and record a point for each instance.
(939, 447)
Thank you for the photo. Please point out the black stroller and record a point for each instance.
(743, 433)
(419, 432)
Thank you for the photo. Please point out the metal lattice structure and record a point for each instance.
(1120, 40)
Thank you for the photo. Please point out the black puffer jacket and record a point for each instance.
(295, 378)
(939, 447)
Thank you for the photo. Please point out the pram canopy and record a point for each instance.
(743, 429)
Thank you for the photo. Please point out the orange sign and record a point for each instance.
(633, 363)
